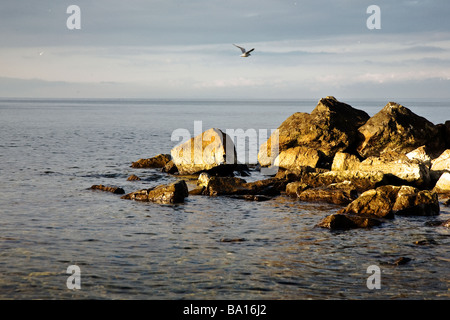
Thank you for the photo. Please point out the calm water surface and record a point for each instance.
(51, 152)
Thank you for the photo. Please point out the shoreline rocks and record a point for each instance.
(395, 163)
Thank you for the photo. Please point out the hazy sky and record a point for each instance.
(183, 49)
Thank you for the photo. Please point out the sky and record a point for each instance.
(176, 49)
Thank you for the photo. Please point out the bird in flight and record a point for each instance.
(244, 52)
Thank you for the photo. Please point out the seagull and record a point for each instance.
(244, 52)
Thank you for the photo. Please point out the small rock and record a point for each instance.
(401, 261)
(232, 240)
(133, 178)
(446, 224)
(158, 161)
(170, 168)
(115, 190)
(169, 193)
(425, 242)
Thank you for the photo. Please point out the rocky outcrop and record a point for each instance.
(166, 194)
(331, 127)
(387, 201)
(115, 190)
(208, 150)
(396, 128)
(158, 161)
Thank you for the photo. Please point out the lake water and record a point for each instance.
(52, 151)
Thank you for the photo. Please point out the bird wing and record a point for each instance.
(250, 50)
(242, 49)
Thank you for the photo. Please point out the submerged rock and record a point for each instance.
(396, 128)
(331, 127)
(133, 178)
(339, 221)
(158, 161)
(115, 190)
(168, 193)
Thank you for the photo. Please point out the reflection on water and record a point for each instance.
(51, 155)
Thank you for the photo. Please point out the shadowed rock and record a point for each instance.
(339, 221)
(331, 127)
(396, 128)
(115, 190)
(169, 193)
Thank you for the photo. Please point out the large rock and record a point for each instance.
(297, 157)
(208, 150)
(396, 128)
(167, 194)
(331, 127)
(387, 201)
(158, 161)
